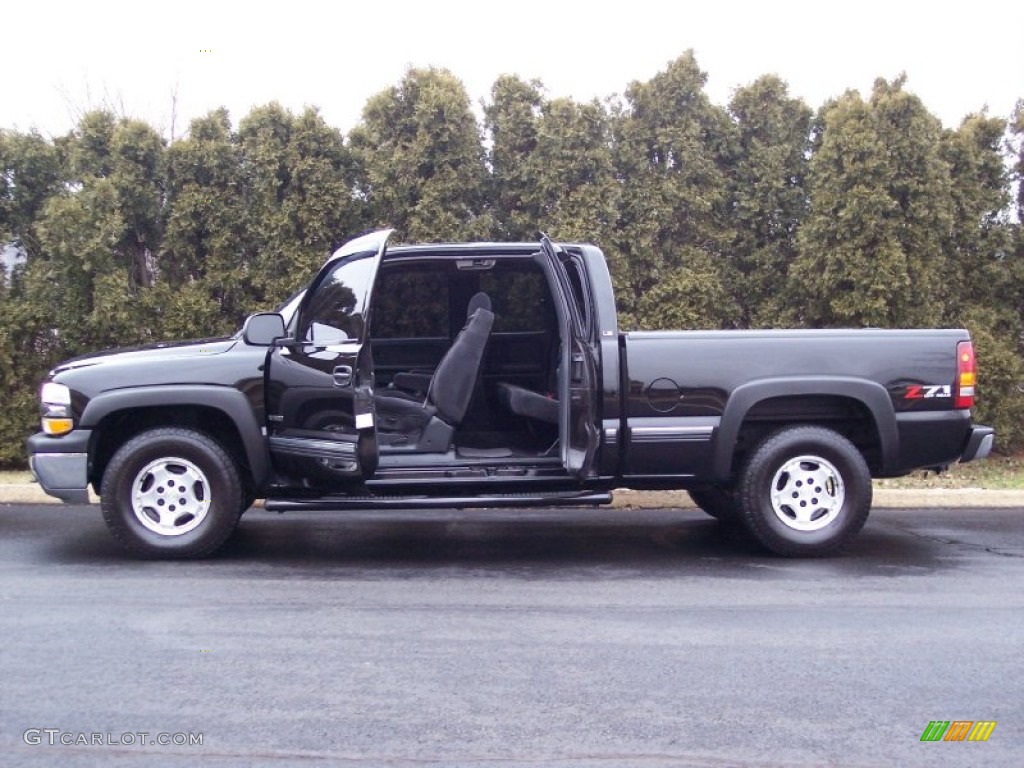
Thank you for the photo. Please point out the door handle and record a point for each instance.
(343, 375)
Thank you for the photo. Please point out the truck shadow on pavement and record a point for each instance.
(546, 543)
(528, 543)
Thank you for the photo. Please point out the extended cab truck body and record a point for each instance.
(494, 375)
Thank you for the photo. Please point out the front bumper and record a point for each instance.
(979, 444)
(61, 464)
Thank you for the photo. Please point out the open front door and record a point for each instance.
(320, 411)
(577, 368)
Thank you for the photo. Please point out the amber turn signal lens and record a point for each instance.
(57, 426)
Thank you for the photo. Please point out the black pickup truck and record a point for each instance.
(494, 375)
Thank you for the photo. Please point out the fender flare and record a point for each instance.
(231, 402)
(870, 394)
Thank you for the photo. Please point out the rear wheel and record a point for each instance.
(173, 493)
(804, 491)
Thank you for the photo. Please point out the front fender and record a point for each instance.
(232, 403)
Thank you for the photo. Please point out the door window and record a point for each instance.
(580, 294)
(337, 310)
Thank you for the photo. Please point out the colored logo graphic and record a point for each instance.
(958, 730)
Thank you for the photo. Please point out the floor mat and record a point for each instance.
(468, 452)
(485, 439)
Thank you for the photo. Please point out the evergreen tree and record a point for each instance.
(97, 233)
(985, 269)
(768, 195)
(922, 190)
(420, 159)
(1017, 148)
(206, 257)
(573, 193)
(672, 150)
(30, 172)
(511, 118)
(552, 166)
(298, 176)
(989, 255)
(871, 250)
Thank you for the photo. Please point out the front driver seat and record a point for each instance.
(405, 423)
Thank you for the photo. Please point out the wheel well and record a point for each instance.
(845, 415)
(120, 426)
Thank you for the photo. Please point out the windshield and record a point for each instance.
(287, 308)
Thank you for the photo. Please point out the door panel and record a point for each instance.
(320, 412)
(578, 433)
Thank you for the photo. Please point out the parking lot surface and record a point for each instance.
(569, 637)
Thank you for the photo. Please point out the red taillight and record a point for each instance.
(963, 396)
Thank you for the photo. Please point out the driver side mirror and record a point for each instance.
(263, 329)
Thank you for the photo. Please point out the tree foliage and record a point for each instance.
(871, 249)
(551, 164)
(768, 196)
(420, 159)
(673, 149)
(511, 118)
(755, 214)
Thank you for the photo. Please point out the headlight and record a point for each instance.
(56, 408)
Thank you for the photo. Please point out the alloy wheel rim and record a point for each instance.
(807, 493)
(170, 496)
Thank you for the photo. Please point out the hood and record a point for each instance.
(157, 352)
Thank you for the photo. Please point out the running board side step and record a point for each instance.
(497, 500)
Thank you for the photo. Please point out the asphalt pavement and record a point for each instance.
(568, 637)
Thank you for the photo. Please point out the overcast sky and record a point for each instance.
(65, 57)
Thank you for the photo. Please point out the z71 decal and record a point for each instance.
(928, 391)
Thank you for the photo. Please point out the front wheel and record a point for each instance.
(804, 491)
(172, 493)
(718, 502)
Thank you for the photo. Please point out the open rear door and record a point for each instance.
(577, 370)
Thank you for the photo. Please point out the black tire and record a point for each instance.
(248, 499)
(718, 502)
(171, 493)
(804, 492)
